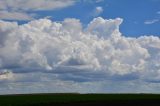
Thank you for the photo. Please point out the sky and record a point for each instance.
(84, 46)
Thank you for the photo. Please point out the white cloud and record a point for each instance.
(158, 12)
(105, 28)
(15, 15)
(97, 11)
(151, 21)
(18, 9)
(98, 1)
(27, 5)
(66, 51)
(92, 1)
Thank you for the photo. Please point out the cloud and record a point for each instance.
(98, 1)
(97, 11)
(15, 15)
(6, 75)
(158, 12)
(27, 5)
(18, 9)
(151, 21)
(46, 51)
(92, 1)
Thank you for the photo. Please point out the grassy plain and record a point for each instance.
(69, 99)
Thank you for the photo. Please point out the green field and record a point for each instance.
(63, 99)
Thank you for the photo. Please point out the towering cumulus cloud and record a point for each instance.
(68, 54)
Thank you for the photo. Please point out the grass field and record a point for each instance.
(79, 99)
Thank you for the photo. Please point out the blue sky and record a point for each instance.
(135, 14)
(85, 46)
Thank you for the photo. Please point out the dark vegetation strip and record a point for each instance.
(80, 99)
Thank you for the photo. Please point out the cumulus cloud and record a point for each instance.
(68, 52)
(18, 9)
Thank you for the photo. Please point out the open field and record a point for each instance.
(80, 99)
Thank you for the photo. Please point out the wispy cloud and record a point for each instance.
(158, 12)
(98, 1)
(16, 15)
(18, 9)
(93, 1)
(151, 21)
(34, 5)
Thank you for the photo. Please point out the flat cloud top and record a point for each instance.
(65, 52)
